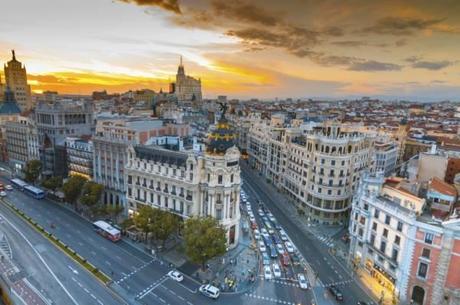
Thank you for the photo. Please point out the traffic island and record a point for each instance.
(60, 245)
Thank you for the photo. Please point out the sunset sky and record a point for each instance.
(241, 48)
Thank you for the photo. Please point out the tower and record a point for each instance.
(186, 86)
(16, 80)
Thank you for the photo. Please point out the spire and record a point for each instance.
(14, 55)
(180, 60)
(180, 69)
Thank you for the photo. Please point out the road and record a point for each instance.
(330, 271)
(138, 278)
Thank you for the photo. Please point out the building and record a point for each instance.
(22, 142)
(442, 197)
(112, 138)
(79, 153)
(9, 112)
(406, 251)
(16, 79)
(187, 88)
(189, 183)
(57, 121)
(318, 167)
(386, 156)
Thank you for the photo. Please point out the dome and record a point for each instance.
(222, 138)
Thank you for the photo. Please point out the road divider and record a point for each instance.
(100, 275)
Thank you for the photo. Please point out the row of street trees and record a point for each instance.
(204, 238)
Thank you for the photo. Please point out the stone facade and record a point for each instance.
(16, 79)
(187, 88)
(22, 142)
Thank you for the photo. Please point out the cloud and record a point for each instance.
(372, 65)
(244, 12)
(169, 5)
(432, 65)
(400, 26)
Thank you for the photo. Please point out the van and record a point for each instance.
(210, 291)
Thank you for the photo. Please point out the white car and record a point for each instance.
(302, 281)
(289, 247)
(248, 208)
(267, 273)
(2, 193)
(272, 218)
(250, 213)
(210, 291)
(262, 247)
(264, 233)
(9, 187)
(176, 275)
(261, 213)
(283, 236)
(280, 249)
(276, 270)
(256, 234)
(252, 218)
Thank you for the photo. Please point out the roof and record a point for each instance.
(440, 186)
(158, 154)
(9, 106)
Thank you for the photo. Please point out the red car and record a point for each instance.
(285, 259)
(253, 225)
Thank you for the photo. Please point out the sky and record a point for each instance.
(240, 48)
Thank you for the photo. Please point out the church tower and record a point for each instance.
(16, 80)
(187, 88)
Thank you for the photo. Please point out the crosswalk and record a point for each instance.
(327, 240)
(268, 299)
(127, 276)
(339, 283)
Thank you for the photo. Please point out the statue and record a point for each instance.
(223, 108)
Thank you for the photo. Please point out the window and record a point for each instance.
(376, 213)
(372, 240)
(332, 162)
(219, 179)
(387, 219)
(426, 253)
(231, 178)
(422, 270)
(429, 238)
(385, 233)
(374, 226)
(397, 239)
(394, 254)
(366, 207)
(400, 226)
(383, 246)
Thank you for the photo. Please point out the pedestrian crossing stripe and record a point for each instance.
(337, 283)
(256, 296)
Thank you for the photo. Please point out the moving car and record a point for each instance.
(280, 249)
(285, 259)
(256, 234)
(336, 293)
(272, 218)
(210, 291)
(265, 259)
(273, 252)
(261, 213)
(176, 275)
(302, 281)
(276, 270)
(262, 247)
(264, 233)
(362, 303)
(267, 273)
(9, 188)
(289, 247)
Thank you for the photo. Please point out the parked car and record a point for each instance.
(302, 281)
(256, 234)
(289, 247)
(283, 236)
(267, 273)
(210, 291)
(280, 249)
(336, 293)
(176, 275)
(262, 247)
(276, 270)
(265, 259)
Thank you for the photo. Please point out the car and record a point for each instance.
(261, 213)
(265, 259)
(256, 234)
(271, 231)
(276, 239)
(254, 225)
(248, 204)
(9, 188)
(280, 249)
(285, 259)
(267, 240)
(252, 219)
(276, 270)
(273, 252)
(302, 281)
(283, 236)
(264, 219)
(176, 275)
(272, 218)
(295, 259)
(267, 273)
(362, 303)
(289, 247)
(209, 291)
(2, 193)
(262, 247)
(278, 226)
(336, 292)
(264, 233)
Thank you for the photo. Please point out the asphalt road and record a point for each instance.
(330, 271)
(54, 274)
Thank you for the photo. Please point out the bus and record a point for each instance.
(18, 183)
(106, 230)
(34, 192)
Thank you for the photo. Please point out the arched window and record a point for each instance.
(418, 294)
(327, 149)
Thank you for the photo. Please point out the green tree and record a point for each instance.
(32, 170)
(143, 219)
(127, 223)
(91, 194)
(163, 225)
(52, 183)
(204, 239)
(73, 188)
(114, 211)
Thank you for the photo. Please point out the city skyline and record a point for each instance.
(243, 49)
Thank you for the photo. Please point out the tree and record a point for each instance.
(143, 219)
(52, 183)
(91, 194)
(72, 188)
(114, 211)
(163, 225)
(204, 239)
(127, 223)
(32, 170)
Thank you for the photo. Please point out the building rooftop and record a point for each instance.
(159, 154)
(442, 187)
